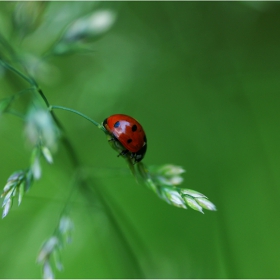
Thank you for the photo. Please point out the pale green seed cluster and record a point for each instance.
(164, 181)
(52, 247)
(42, 134)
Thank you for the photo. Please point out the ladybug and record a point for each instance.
(128, 136)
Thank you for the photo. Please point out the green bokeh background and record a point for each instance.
(203, 78)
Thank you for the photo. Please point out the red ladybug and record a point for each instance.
(128, 132)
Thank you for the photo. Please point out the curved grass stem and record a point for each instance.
(11, 68)
(78, 113)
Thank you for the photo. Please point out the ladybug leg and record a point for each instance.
(133, 157)
(123, 153)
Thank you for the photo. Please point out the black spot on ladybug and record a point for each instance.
(134, 127)
(129, 141)
(117, 124)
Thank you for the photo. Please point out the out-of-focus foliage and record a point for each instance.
(203, 80)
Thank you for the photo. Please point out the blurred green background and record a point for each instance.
(203, 78)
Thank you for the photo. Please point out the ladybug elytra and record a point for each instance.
(128, 132)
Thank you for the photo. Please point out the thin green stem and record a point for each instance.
(73, 155)
(44, 97)
(11, 68)
(78, 113)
